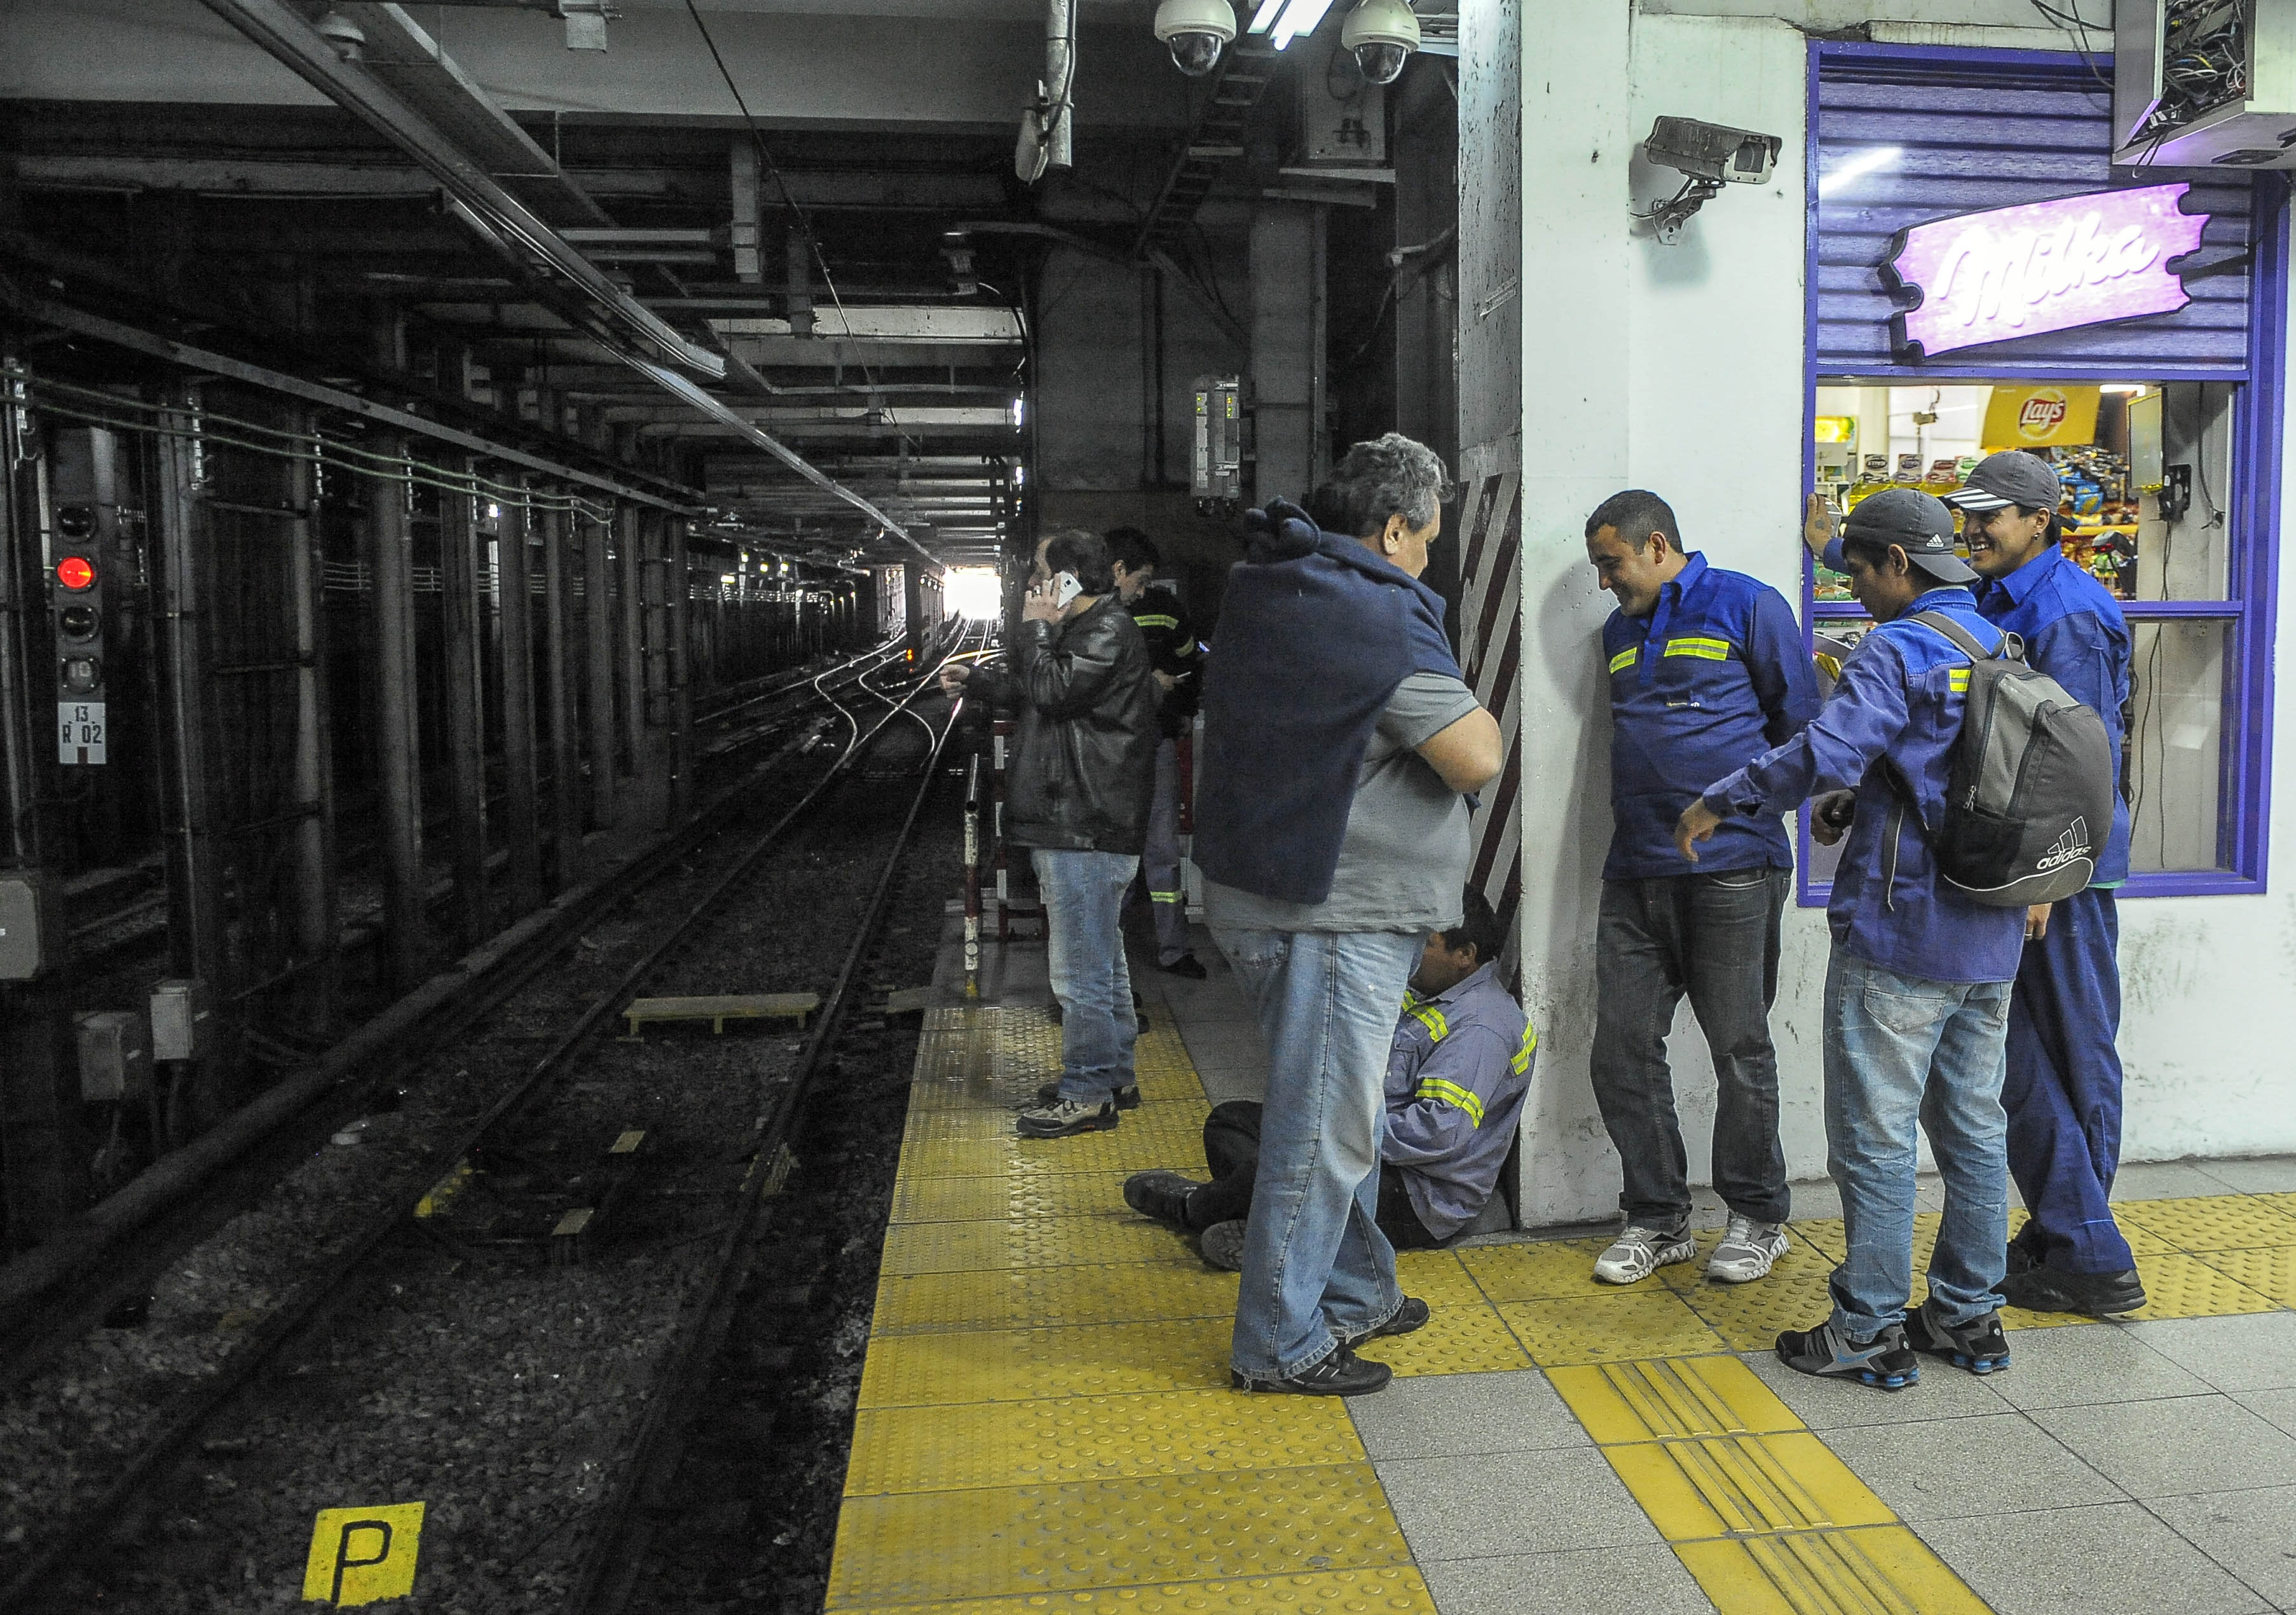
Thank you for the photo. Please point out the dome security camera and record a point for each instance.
(1383, 34)
(1196, 30)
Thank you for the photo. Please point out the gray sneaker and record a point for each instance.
(1222, 1244)
(1063, 1118)
(1639, 1252)
(1748, 1250)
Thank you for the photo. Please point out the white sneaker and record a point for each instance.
(1639, 1252)
(1748, 1250)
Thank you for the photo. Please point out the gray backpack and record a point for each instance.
(2029, 801)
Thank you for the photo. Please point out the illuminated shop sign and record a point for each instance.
(2046, 266)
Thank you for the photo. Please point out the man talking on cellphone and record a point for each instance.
(1078, 798)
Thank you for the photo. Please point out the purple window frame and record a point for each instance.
(2245, 792)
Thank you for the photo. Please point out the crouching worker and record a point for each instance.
(1456, 1073)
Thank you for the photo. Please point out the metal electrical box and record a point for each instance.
(2202, 83)
(115, 1055)
(28, 931)
(1216, 461)
(180, 1019)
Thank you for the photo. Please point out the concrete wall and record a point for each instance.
(1680, 368)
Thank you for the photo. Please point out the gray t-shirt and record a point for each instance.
(1404, 861)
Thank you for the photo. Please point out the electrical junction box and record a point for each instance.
(180, 1019)
(28, 924)
(2203, 84)
(115, 1055)
(1342, 115)
(1216, 460)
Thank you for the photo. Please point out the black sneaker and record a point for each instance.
(1162, 1195)
(1139, 1013)
(1342, 1373)
(1063, 1117)
(2025, 1250)
(1127, 1099)
(1884, 1362)
(1409, 1316)
(1186, 965)
(1978, 1345)
(2097, 1295)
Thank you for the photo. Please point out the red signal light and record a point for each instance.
(76, 572)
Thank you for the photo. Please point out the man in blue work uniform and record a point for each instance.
(1707, 670)
(1917, 991)
(1456, 1073)
(2062, 1091)
(1170, 636)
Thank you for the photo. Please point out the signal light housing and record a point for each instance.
(83, 480)
(76, 574)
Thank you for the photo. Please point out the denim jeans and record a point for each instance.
(1316, 1265)
(1898, 1049)
(1084, 896)
(1714, 937)
(1160, 860)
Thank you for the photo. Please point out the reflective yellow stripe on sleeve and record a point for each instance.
(1521, 1060)
(1626, 658)
(1706, 650)
(1155, 621)
(1958, 680)
(1435, 1087)
(1431, 1018)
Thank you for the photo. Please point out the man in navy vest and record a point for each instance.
(1707, 672)
(1339, 742)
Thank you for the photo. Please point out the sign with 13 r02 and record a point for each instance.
(79, 726)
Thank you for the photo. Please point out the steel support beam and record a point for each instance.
(465, 689)
(629, 579)
(598, 655)
(195, 917)
(514, 621)
(678, 571)
(314, 922)
(390, 535)
(565, 747)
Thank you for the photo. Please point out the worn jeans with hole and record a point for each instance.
(1084, 948)
(1715, 938)
(1899, 1049)
(1316, 1265)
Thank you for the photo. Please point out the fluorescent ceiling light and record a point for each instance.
(1285, 20)
(1263, 18)
(2121, 387)
(1858, 167)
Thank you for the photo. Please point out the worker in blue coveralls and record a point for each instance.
(1456, 1073)
(2062, 1091)
(1707, 670)
(1917, 990)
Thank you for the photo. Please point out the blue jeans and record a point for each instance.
(1898, 1049)
(1316, 1265)
(1084, 947)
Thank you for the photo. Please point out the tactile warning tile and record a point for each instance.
(1150, 1136)
(1675, 1397)
(2217, 1222)
(1472, 1340)
(2270, 1272)
(1726, 1486)
(980, 1199)
(1130, 1292)
(1182, 1118)
(2142, 1242)
(1802, 1260)
(1024, 1365)
(913, 1547)
(1543, 1270)
(1639, 1323)
(1391, 1590)
(1879, 1571)
(1750, 1317)
(1436, 1277)
(1006, 1242)
(2182, 1286)
(1074, 1438)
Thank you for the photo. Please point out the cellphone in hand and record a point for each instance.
(1065, 587)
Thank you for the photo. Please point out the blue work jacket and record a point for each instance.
(2073, 631)
(1896, 707)
(1713, 677)
(1456, 1076)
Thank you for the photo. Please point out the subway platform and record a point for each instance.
(1045, 1421)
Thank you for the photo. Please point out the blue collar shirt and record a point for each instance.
(2073, 631)
(1897, 708)
(1717, 674)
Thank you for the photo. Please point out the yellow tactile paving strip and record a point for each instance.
(1045, 1421)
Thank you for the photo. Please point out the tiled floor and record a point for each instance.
(1045, 1421)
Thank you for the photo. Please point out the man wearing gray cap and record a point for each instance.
(2062, 1091)
(1917, 991)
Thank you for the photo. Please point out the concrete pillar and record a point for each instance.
(565, 747)
(465, 701)
(388, 540)
(1287, 350)
(515, 617)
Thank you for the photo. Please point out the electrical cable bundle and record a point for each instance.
(2203, 61)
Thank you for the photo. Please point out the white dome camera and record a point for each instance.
(1383, 34)
(1197, 31)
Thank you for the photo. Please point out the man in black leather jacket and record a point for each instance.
(1077, 794)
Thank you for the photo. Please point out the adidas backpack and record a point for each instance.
(2029, 801)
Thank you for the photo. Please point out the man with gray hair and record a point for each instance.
(1340, 744)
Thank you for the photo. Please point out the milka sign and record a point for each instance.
(2048, 266)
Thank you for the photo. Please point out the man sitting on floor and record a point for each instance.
(1456, 1073)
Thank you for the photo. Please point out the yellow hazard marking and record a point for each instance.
(627, 1143)
(363, 1555)
(1880, 1571)
(442, 1193)
(573, 1223)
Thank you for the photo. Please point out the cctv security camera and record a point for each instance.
(1196, 30)
(1712, 152)
(1383, 34)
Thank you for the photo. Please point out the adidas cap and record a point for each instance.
(1916, 523)
(2010, 477)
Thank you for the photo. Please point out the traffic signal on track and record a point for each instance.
(83, 528)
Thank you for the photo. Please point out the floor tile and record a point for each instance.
(1477, 1506)
(1943, 1393)
(1946, 1467)
(1669, 1398)
(2216, 1221)
(1435, 1415)
(2270, 1272)
(2250, 1533)
(2256, 1174)
(2279, 1406)
(1584, 1581)
(2163, 1180)
(2252, 1353)
(1454, 1341)
(1726, 1486)
(1609, 1329)
(2184, 1444)
(2114, 1560)
(1541, 1270)
(1870, 1570)
(2087, 1363)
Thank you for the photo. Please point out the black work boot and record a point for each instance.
(2095, 1295)
(1162, 1195)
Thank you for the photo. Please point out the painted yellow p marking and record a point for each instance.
(363, 1555)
